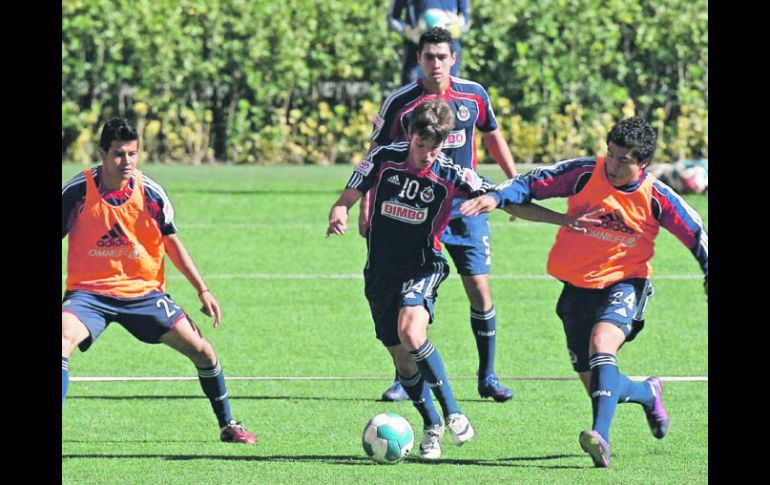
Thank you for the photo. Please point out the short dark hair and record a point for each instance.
(436, 35)
(117, 129)
(636, 134)
(432, 119)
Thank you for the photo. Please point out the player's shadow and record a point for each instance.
(287, 192)
(347, 460)
(148, 397)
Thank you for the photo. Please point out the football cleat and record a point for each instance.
(596, 447)
(491, 387)
(657, 417)
(395, 392)
(234, 432)
(460, 428)
(430, 445)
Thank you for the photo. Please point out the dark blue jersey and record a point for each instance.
(469, 103)
(409, 207)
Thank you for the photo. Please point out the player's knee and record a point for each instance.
(603, 342)
(72, 333)
(205, 355)
(67, 345)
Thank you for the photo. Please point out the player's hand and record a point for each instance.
(582, 220)
(338, 221)
(210, 307)
(412, 34)
(478, 205)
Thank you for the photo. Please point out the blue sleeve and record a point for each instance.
(73, 195)
(159, 205)
(488, 120)
(561, 179)
(681, 220)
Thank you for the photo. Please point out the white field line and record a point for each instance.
(359, 276)
(358, 378)
(315, 225)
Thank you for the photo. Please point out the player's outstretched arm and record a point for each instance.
(478, 205)
(338, 215)
(578, 222)
(178, 255)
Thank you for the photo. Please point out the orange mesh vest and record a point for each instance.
(618, 249)
(115, 250)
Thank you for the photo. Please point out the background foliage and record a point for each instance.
(299, 81)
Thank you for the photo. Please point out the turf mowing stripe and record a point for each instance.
(302, 276)
(357, 378)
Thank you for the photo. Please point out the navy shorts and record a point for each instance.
(468, 241)
(146, 317)
(387, 293)
(622, 304)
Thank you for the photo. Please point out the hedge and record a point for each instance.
(299, 81)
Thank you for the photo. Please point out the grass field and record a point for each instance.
(293, 307)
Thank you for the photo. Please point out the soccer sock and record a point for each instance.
(213, 383)
(634, 391)
(432, 367)
(419, 392)
(65, 377)
(483, 325)
(604, 391)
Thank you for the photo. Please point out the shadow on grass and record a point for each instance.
(520, 462)
(237, 398)
(288, 192)
(149, 397)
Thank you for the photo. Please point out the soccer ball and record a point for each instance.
(388, 438)
(437, 17)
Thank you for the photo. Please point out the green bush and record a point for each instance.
(299, 81)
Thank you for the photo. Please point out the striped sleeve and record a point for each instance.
(160, 206)
(561, 179)
(385, 121)
(681, 220)
(73, 196)
(365, 173)
(466, 180)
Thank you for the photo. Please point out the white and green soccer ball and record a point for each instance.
(388, 438)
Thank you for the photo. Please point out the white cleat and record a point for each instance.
(430, 446)
(460, 428)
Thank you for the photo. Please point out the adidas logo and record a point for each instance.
(114, 237)
(394, 180)
(410, 295)
(482, 333)
(622, 312)
(614, 222)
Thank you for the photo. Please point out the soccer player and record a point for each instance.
(404, 17)
(411, 183)
(466, 238)
(606, 268)
(121, 225)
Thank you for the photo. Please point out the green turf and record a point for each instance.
(242, 222)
